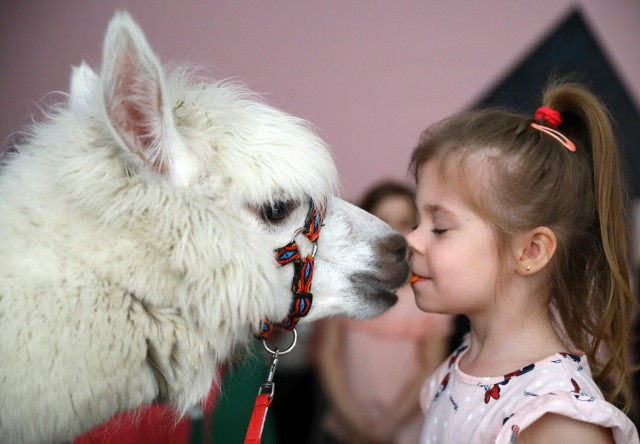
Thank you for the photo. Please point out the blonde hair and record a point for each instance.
(518, 178)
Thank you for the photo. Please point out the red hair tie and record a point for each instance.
(549, 115)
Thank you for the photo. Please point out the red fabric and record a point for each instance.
(147, 424)
(256, 424)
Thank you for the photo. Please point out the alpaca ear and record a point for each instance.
(83, 85)
(136, 102)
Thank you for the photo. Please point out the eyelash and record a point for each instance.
(438, 231)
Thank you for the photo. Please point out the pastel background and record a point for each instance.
(370, 75)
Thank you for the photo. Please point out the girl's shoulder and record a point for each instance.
(574, 406)
(562, 385)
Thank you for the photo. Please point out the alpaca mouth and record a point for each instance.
(381, 296)
(377, 291)
(390, 276)
(373, 300)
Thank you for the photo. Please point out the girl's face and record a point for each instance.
(453, 250)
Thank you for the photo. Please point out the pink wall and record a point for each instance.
(369, 74)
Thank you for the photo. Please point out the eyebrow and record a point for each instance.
(437, 209)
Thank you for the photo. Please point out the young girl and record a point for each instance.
(522, 229)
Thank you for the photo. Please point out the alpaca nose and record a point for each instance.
(396, 244)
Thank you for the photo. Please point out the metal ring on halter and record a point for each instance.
(278, 352)
(315, 244)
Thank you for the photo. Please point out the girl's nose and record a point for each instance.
(413, 241)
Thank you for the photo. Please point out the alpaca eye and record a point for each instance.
(277, 210)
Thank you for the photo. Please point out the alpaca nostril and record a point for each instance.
(396, 244)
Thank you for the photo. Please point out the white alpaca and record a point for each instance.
(137, 233)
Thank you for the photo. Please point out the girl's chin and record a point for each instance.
(423, 305)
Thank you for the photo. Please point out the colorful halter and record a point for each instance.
(553, 118)
(302, 274)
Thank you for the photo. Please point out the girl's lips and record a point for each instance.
(415, 278)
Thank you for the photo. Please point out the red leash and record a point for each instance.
(258, 418)
(260, 407)
(265, 395)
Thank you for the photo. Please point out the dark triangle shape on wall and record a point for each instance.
(572, 49)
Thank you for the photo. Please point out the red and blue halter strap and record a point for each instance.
(302, 275)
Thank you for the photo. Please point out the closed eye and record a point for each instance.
(438, 231)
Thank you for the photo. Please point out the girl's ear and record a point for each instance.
(533, 250)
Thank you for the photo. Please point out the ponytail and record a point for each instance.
(606, 328)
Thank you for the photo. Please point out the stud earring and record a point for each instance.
(528, 267)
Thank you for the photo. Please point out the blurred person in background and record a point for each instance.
(372, 370)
